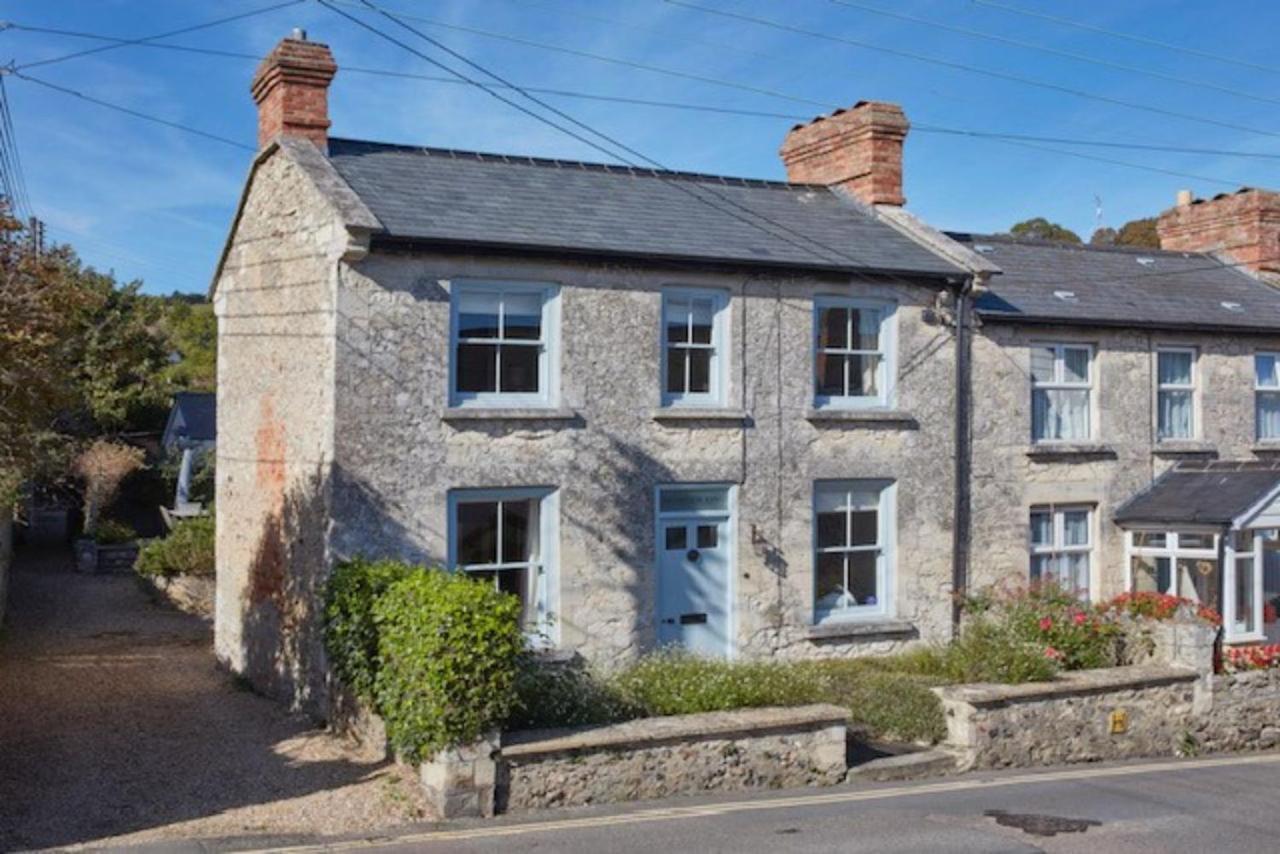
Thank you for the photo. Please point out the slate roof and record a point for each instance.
(495, 201)
(1119, 286)
(1206, 493)
(198, 411)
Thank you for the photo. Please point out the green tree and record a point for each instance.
(1041, 229)
(192, 334)
(1139, 232)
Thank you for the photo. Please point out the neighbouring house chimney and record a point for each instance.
(858, 150)
(291, 89)
(1244, 224)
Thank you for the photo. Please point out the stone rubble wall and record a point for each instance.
(188, 593)
(1245, 713)
(686, 754)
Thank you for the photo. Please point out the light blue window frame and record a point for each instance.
(887, 350)
(548, 345)
(719, 369)
(885, 548)
(545, 627)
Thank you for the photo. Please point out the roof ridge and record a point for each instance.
(1079, 247)
(587, 165)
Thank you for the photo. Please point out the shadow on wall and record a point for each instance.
(283, 609)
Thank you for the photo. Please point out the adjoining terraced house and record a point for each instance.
(753, 418)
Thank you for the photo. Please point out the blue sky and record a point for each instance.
(154, 203)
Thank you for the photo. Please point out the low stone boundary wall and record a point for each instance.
(1083, 716)
(190, 593)
(648, 758)
(1245, 712)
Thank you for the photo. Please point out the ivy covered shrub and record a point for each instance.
(350, 634)
(187, 550)
(449, 648)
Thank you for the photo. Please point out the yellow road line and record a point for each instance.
(840, 797)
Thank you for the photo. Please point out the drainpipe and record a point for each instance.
(965, 295)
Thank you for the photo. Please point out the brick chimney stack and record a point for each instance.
(291, 89)
(1244, 224)
(858, 150)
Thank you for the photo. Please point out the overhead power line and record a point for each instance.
(129, 111)
(973, 69)
(1131, 37)
(1052, 51)
(145, 39)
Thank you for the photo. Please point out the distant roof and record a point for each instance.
(1045, 281)
(194, 416)
(495, 201)
(1213, 493)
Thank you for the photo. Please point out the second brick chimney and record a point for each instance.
(1244, 224)
(858, 150)
(291, 89)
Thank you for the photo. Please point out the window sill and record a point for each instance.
(871, 628)
(696, 414)
(529, 413)
(1183, 448)
(1267, 446)
(885, 417)
(1071, 450)
(1250, 637)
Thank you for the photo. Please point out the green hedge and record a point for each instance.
(187, 550)
(350, 634)
(448, 654)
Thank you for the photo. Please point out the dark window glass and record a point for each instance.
(830, 571)
(478, 532)
(831, 530)
(677, 324)
(833, 328)
(677, 538)
(862, 577)
(517, 525)
(830, 375)
(519, 369)
(675, 371)
(703, 312)
(708, 536)
(862, 375)
(522, 316)
(866, 329)
(865, 532)
(699, 371)
(477, 367)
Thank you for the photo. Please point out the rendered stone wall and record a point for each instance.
(397, 455)
(660, 757)
(1009, 478)
(1245, 713)
(275, 307)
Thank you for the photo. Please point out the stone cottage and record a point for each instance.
(751, 418)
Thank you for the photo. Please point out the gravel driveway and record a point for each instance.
(116, 725)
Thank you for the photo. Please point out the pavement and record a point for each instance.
(118, 728)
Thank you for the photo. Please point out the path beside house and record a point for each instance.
(115, 723)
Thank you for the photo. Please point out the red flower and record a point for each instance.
(1051, 653)
(1078, 618)
(1046, 623)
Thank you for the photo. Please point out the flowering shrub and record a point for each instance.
(1158, 606)
(1064, 630)
(1239, 658)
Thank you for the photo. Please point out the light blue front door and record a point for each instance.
(693, 583)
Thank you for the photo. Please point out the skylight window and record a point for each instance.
(1232, 306)
(1066, 296)
(983, 248)
(1147, 262)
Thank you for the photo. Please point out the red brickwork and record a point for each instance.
(291, 88)
(1244, 224)
(857, 150)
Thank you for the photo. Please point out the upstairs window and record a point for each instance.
(1061, 392)
(1061, 547)
(693, 344)
(853, 352)
(503, 344)
(1267, 395)
(1175, 393)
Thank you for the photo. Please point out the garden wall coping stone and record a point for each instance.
(672, 728)
(1071, 683)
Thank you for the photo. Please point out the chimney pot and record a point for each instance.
(1185, 198)
(291, 89)
(858, 151)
